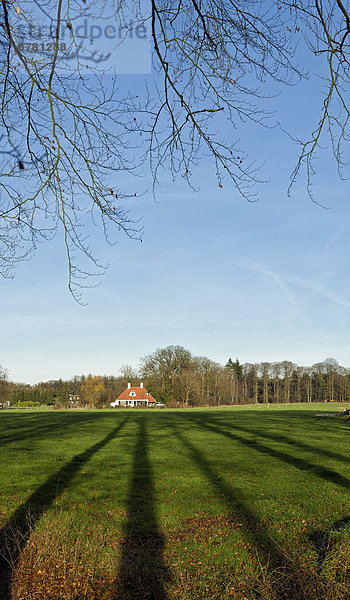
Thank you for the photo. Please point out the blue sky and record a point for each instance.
(216, 274)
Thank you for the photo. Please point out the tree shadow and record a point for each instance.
(299, 463)
(25, 427)
(142, 571)
(15, 533)
(321, 538)
(287, 581)
(277, 437)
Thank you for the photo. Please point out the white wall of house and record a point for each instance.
(129, 403)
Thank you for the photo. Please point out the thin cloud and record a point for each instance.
(285, 278)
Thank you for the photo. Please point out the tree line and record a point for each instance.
(175, 376)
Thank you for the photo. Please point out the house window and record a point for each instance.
(132, 393)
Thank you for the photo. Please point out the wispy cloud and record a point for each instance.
(284, 279)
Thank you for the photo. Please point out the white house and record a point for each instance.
(134, 396)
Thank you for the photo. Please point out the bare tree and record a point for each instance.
(64, 134)
(287, 368)
(320, 385)
(265, 370)
(331, 368)
(252, 381)
(3, 373)
(206, 371)
(276, 369)
(344, 384)
(129, 374)
(308, 373)
(4, 386)
(326, 27)
(164, 366)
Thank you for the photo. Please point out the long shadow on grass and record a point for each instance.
(277, 437)
(142, 572)
(321, 538)
(43, 426)
(16, 532)
(286, 582)
(298, 463)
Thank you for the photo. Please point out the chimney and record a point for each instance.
(141, 384)
(129, 386)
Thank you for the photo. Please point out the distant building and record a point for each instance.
(134, 396)
(73, 399)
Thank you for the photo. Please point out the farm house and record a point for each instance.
(134, 396)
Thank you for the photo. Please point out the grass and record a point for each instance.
(244, 503)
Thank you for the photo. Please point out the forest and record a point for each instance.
(174, 376)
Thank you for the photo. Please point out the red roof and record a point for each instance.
(140, 394)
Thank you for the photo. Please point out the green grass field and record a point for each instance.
(243, 503)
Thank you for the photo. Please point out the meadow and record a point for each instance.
(246, 502)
